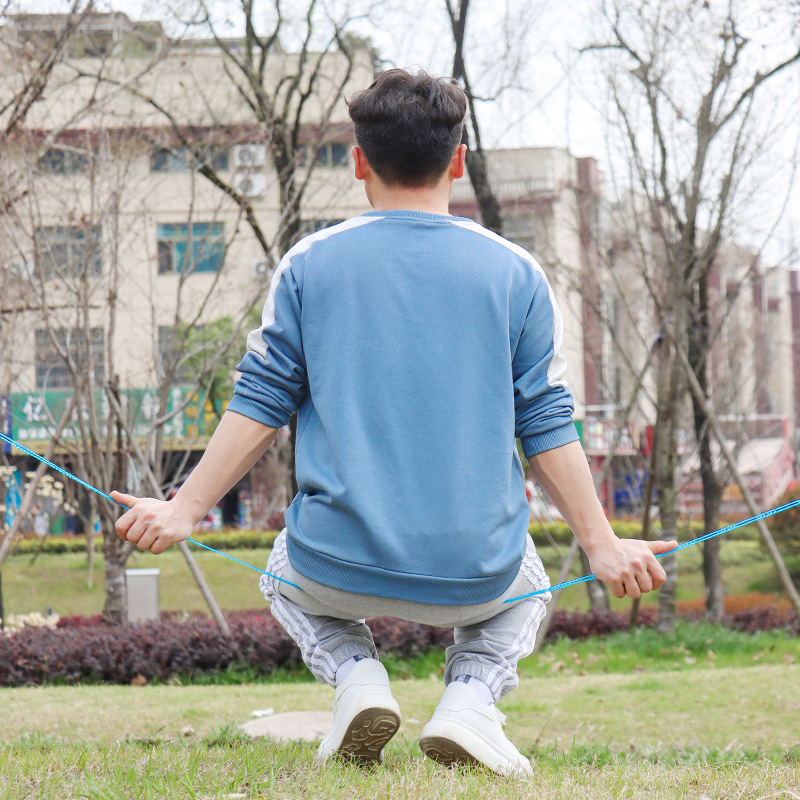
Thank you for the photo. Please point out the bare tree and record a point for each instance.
(94, 280)
(81, 288)
(476, 161)
(688, 86)
(287, 105)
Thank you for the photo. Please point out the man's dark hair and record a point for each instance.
(409, 126)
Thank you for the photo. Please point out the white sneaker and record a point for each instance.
(465, 730)
(365, 715)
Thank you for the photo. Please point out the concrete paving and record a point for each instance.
(297, 726)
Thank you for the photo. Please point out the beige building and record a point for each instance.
(752, 362)
(119, 252)
(549, 201)
(122, 260)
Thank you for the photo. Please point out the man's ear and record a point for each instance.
(360, 161)
(457, 163)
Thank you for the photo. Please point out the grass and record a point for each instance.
(245, 770)
(719, 732)
(58, 581)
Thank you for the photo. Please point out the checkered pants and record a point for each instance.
(329, 624)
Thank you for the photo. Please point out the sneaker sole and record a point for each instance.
(446, 751)
(460, 746)
(368, 733)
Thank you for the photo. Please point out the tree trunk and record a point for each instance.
(698, 352)
(712, 574)
(595, 590)
(270, 482)
(476, 162)
(115, 609)
(90, 533)
(766, 536)
(668, 420)
(488, 204)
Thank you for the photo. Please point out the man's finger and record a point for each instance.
(160, 545)
(657, 574)
(632, 589)
(645, 582)
(126, 499)
(146, 540)
(135, 531)
(617, 589)
(661, 547)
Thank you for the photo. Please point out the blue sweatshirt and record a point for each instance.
(415, 347)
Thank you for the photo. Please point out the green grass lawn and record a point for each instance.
(59, 581)
(707, 732)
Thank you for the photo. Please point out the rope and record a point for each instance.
(75, 478)
(557, 587)
(705, 537)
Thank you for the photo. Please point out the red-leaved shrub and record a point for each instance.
(87, 649)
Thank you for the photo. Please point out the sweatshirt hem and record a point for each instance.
(379, 582)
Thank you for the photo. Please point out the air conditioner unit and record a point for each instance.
(250, 155)
(260, 267)
(250, 184)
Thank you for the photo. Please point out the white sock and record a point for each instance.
(343, 670)
(480, 688)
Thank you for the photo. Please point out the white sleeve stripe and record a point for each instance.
(557, 369)
(255, 341)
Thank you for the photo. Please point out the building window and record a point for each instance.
(178, 159)
(68, 250)
(64, 161)
(86, 349)
(199, 247)
(331, 154)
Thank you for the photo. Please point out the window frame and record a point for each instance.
(81, 247)
(52, 371)
(181, 159)
(173, 241)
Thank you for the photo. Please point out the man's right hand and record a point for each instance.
(152, 524)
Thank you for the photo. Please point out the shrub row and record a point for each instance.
(560, 532)
(238, 539)
(87, 650)
(233, 539)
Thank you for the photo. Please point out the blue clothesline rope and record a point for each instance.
(557, 587)
(75, 478)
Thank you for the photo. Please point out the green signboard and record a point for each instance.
(186, 422)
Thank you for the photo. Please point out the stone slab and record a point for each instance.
(296, 726)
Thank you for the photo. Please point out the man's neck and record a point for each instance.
(433, 200)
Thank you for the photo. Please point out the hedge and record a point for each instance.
(239, 539)
(85, 649)
(232, 539)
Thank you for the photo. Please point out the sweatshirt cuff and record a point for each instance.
(255, 411)
(539, 442)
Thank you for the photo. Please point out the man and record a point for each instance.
(415, 347)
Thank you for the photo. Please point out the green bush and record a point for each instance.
(625, 529)
(632, 529)
(231, 539)
(239, 539)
